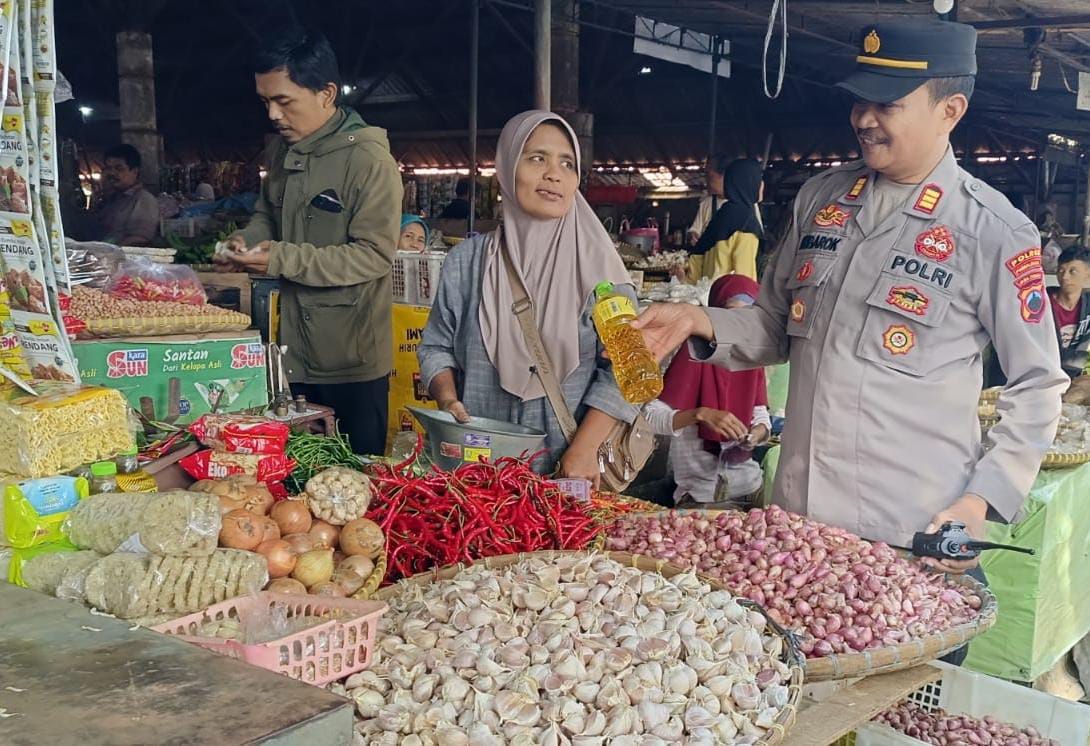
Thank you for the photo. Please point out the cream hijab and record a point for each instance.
(559, 261)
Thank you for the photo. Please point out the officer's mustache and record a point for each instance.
(871, 135)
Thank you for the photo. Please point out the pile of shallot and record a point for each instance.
(572, 649)
(847, 593)
(941, 729)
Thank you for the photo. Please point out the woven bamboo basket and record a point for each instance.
(784, 720)
(374, 580)
(228, 321)
(906, 655)
(1064, 460)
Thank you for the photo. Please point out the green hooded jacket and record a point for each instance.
(331, 206)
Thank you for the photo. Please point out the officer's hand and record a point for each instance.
(667, 326)
(724, 424)
(758, 435)
(457, 410)
(970, 510)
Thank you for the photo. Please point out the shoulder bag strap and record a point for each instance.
(523, 308)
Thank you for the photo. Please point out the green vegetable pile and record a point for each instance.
(313, 453)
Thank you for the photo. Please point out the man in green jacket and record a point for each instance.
(326, 224)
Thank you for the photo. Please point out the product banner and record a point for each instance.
(406, 387)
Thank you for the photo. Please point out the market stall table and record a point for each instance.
(71, 676)
(1043, 605)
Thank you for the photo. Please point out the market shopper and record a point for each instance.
(473, 355)
(326, 224)
(714, 417)
(1071, 309)
(129, 216)
(714, 170)
(895, 274)
(458, 208)
(414, 234)
(730, 243)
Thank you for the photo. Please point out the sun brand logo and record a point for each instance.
(127, 364)
(251, 355)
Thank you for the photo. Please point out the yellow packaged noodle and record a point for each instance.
(64, 426)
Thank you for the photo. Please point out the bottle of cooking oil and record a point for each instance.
(638, 375)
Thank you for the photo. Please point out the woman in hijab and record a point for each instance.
(414, 234)
(729, 244)
(473, 356)
(716, 417)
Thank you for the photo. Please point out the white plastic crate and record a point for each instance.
(963, 692)
(416, 276)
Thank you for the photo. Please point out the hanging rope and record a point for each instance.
(780, 5)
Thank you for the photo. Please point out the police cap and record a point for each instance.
(897, 57)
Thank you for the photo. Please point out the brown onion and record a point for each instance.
(348, 581)
(272, 531)
(292, 516)
(300, 542)
(327, 589)
(287, 585)
(280, 557)
(357, 563)
(363, 537)
(325, 535)
(314, 567)
(241, 530)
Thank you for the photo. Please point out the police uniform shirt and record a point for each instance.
(884, 319)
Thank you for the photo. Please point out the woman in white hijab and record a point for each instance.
(473, 356)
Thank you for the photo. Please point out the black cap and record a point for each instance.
(898, 57)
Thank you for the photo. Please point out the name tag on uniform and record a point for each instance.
(924, 270)
(819, 242)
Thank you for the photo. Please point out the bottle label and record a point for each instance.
(614, 307)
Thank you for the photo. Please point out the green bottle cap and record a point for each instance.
(104, 469)
(603, 289)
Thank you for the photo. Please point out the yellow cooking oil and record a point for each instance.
(638, 375)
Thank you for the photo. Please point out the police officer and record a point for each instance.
(896, 272)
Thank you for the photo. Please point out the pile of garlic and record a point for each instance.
(578, 649)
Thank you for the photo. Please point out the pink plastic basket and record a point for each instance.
(317, 655)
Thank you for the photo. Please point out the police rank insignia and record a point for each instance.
(929, 198)
(871, 43)
(899, 339)
(1029, 281)
(798, 310)
(908, 298)
(857, 188)
(936, 243)
(831, 215)
(805, 271)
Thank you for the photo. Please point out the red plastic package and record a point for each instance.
(219, 465)
(245, 434)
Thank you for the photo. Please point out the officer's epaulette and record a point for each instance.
(995, 203)
(821, 180)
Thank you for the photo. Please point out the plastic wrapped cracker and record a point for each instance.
(171, 523)
(196, 581)
(114, 581)
(46, 573)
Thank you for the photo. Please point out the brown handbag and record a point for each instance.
(628, 447)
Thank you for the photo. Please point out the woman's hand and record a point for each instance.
(580, 463)
(724, 424)
(456, 409)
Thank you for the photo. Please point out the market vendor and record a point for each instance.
(730, 243)
(473, 355)
(895, 274)
(1071, 309)
(326, 224)
(129, 216)
(414, 234)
